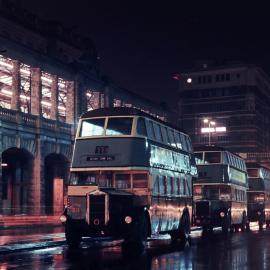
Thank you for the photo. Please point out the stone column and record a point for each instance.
(54, 98)
(36, 91)
(70, 103)
(36, 180)
(15, 88)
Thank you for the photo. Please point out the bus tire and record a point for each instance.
(184, 228)
(73, 237)
(226, 224)
(261, 222)
(138, 233)
(243, 225)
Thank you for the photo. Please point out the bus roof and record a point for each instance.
(205, 148)
(124, 111)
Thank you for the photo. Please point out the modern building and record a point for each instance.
(49, 76)
(235, 100)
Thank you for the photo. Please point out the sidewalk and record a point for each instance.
(12, 240)
(26, 221)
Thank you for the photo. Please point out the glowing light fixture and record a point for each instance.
(27, 72)
(2, 63)
(46, 79)
(6, 92)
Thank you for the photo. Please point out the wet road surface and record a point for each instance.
(247, 250)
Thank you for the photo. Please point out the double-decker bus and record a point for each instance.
(220, 190)
(131, 177)
(258, 195)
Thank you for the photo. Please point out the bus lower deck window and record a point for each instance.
(140, 180)
(122, 181)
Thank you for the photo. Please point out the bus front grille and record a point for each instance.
(97, 209)
(202, 209)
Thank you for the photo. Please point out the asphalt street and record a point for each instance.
(241, 250)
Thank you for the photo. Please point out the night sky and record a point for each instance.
(141, 44)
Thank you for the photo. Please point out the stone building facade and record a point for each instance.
(49, 76)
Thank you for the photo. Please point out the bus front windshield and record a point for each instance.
(91, 178)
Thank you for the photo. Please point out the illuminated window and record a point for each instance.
(6, 67)
(46, 94)
(117, 103)
(95, 100)
(25, 94)
(62, 98)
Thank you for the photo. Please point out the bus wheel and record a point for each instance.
(73, 237)
(226, 224)
(243, 225)
(184, 228)
(267, 224)
(138, 233)
(260, 222)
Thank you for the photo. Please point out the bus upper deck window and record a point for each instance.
(140, 180)
(122, 181)
(212, 157)
(183, 141)
(141, 128)
(165, 135)
(119, 126)
(92, 127)
(178, 140)
(171, 137)
(157, 132)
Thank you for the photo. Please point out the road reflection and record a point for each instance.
(242, 250)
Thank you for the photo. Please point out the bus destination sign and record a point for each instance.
(100, 158)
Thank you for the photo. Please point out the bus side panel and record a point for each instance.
(267, 206)
(237, 210)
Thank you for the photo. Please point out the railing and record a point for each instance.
(29, 120)
(8, 115)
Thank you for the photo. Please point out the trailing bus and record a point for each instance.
(258, 195)
(220, 191)
(131, 177)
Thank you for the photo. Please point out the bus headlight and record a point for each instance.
(128, 219)
(63, 218)
(222, 214)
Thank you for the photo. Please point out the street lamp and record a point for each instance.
(211, 124)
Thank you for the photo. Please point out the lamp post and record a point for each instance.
(210, 124)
